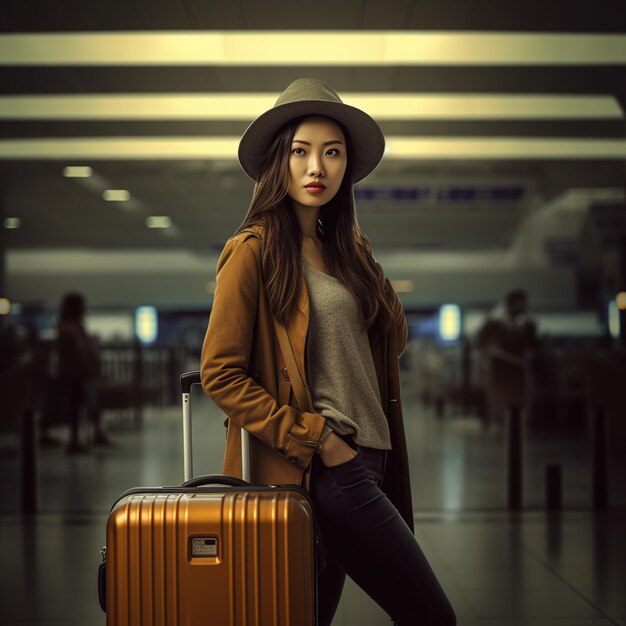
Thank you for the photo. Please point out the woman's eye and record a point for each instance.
(329, 150)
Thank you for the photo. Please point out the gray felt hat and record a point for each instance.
(310, 96)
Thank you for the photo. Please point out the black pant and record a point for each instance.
(364, 536)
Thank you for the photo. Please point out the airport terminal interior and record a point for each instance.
(497, 212)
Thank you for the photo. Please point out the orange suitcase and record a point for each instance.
(216, 550)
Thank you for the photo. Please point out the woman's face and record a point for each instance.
(317, 154)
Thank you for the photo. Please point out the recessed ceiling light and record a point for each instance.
(77, 171)
(116, 195)
(158, 221)
(12, 222)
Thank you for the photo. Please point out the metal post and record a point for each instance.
(553, 487)
(599, 471)
(28, 462)
(514, 448)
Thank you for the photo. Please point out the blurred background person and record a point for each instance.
(79, 368)
(507, 341)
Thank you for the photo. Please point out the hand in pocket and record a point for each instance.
(336, 451)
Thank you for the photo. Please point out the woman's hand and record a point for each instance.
(335, 450)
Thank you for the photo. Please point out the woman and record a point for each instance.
(302, 351)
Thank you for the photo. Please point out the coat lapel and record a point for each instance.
(297, 328)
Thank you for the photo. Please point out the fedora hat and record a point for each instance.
(310, 96)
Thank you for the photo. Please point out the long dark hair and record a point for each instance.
(347, 250)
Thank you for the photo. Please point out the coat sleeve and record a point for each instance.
(225, 360)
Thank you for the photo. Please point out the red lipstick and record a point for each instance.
(315, 187)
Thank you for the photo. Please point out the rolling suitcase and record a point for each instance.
(215, 550)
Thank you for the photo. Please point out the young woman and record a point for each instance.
(302, 351)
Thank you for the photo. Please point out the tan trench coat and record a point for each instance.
(244, 372)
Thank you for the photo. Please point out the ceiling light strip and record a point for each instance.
(293, 48)
(423, 148)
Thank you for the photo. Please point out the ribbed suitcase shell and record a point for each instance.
(263, 572)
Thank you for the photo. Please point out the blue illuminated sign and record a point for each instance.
(449, 326)
(146, 323)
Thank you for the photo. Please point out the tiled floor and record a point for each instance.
(498, 568)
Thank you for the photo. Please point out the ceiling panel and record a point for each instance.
(556, 16)
(207, 200)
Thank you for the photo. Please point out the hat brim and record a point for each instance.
(368, 141)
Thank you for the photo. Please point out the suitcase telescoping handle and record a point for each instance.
(186, 381)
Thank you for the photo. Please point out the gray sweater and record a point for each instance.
(339, 362)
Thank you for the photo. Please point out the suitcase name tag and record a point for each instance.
(203, 547)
